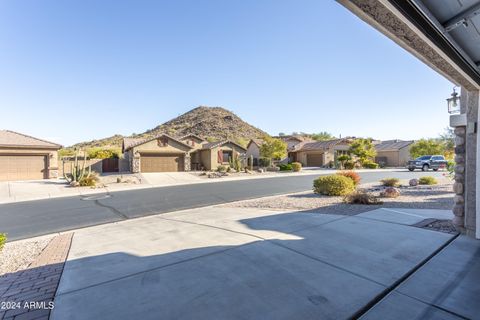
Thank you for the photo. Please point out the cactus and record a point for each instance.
(77, 172)
(251, 162)
(235, 162)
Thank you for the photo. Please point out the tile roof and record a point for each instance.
(129, 143)
(392, 145)
(14, 139)
(215, 144)
(317, 145)
(258, 142)
(191, 135)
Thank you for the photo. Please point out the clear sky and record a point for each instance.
(72, 71)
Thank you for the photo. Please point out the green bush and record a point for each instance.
(427, 180)
(367, 164)
(104, 153)
(3, 239)
(264, 162)
(390, 182)
(221, 168)
(333, 185)
(90, 181)
(285, 167)
(349, 165)
(352, 175)
(296, 166)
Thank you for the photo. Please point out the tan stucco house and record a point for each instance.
(318, 153)
(23, 157)
(393, 153)
(164, 153)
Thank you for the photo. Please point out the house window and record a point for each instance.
(227, 155)
(341, 152)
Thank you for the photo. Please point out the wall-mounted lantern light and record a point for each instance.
(454, 103)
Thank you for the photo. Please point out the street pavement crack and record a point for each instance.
(112, 209)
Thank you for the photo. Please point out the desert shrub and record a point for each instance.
(352, 175)
(285, 167)
(390, 192)
(333, 185)
(390, 182)
(104, 153)
(342, 159)
(90, 181)
(349, 165)
(221, 168)
(3, 239)
(369, 164)
(361, 197)
(264, 162)
(427, 180)
(296, 166)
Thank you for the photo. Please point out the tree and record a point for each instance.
(322, 136)
(447, 138)
(363, 149)
(273, 148)
(425, 147)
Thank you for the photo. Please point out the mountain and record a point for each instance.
(211, 123)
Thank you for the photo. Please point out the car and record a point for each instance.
(433, 162)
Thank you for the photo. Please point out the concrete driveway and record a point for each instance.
(239, 263)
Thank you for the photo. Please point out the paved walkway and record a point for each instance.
(239, 263)
(28, 294)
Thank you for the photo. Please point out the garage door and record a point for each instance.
(22, 167)
(161, 163)
(314, 160)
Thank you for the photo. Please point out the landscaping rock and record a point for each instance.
(458, 188)
(413, 182)
(458, 210)
(74, 184)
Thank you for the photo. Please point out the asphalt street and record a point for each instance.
(34, 218)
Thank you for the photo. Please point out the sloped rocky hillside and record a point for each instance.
(212, 123)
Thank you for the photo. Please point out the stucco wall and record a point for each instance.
(96, 165)
(253, 150)
(214, 154)
(52, 158)
(392, 158)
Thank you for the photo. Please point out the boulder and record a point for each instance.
(413, 182)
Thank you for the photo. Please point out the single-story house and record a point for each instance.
(164, 153)
(318, 153)
(23, 157)
(293, 140)
(393, 153)
(253, 149)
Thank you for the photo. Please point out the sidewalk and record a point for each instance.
(18, 191)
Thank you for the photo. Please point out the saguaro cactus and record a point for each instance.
(250, 162)
(78, 172)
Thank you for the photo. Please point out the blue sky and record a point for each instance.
(72, 71)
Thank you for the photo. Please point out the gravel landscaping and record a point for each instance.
(419, 197)
(18, 255)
